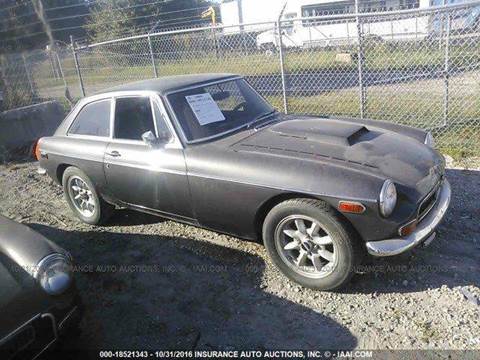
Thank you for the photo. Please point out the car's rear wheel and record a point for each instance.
(83, 198)
(311, 243)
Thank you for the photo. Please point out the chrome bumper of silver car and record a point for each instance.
(41, 171)
(423, 232)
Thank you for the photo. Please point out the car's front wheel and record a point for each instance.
(83, 198)
(311, 243)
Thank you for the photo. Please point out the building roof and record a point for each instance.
(166, 84)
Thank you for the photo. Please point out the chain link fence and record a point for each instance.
(419, 67)
(37, 76)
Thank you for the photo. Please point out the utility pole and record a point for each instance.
(282, 59)
(240, 14)
(210, 12)
(360, 60)
(77, 66)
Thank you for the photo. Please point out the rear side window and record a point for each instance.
(133, 117)
(93, 120)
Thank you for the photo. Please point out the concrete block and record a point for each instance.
(20, 128)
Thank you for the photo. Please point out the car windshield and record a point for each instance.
(214, 109)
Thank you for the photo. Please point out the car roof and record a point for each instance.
(167, 84)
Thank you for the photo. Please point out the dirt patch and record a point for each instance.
(149, 282)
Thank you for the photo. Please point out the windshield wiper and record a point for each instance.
(260, 117)
(262, 125)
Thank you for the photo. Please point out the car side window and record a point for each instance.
(93, 119)
(133, 117)
(163, 131)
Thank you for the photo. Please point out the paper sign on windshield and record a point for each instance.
(205, 108)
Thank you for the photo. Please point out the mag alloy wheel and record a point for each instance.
(305, 246)
(81, 196)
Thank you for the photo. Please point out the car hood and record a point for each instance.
(364, 147)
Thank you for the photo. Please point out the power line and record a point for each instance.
(118, 9)
(167, 25)
(15, 6)
(169, 22)
(33, 14)
(91, 4)
(163, 13)
(106, 22)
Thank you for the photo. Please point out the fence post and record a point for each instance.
(282, 67)
(360, 61)
(446, 69)
(60, 69)
(77, 67)
(27, 72)
(52, 64)
(215, 43)
(348, 33)
(152, 57)
(5, 103)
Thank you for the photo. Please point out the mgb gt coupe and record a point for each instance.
(209, 151)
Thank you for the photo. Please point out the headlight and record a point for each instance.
(388, 198)
(429, 140)
(54, 273)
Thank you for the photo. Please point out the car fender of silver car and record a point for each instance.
(229, 182)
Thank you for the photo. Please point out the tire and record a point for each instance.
(93, 215)
(339, 241)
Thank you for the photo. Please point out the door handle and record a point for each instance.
(114, 153)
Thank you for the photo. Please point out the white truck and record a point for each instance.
(299, 31)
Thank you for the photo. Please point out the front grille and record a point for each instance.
(30, 340)
(18, 342)
(428, 203)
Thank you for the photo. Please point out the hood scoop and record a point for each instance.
(322, 131)
(315, 139)
(359, 135)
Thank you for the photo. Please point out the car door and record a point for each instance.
(152, 177)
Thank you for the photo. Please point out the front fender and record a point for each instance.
(23, 245)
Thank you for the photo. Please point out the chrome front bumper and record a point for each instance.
(424, 231)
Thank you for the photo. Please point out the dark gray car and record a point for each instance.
(208, 150)
(38, 297)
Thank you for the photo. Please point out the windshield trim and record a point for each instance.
(179, 127)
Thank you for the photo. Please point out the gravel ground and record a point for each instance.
(149, 282)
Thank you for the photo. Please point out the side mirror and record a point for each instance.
(149, 138)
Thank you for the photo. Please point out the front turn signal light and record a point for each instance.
(36, 150)
(351, 207)
(408, 228)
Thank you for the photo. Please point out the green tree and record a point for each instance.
(111, 19)
(21, 28)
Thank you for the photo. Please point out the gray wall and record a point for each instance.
(20, 128)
